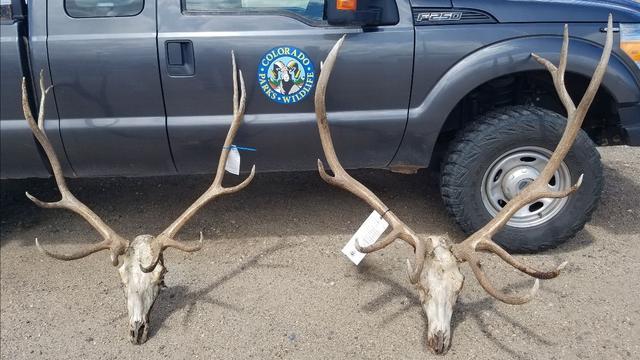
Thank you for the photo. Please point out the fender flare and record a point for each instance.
(425, 120)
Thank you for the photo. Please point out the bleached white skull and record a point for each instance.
(140, 289)
(438, 287)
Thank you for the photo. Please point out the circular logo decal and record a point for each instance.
(286, 74)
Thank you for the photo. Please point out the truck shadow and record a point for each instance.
(294, 203)
(282, 204)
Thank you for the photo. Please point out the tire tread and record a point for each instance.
(459, 158)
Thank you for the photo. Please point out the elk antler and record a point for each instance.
(112, 241)
(466, 251)
(340, 178)
(165, 239)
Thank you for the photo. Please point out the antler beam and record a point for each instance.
(340, 178)
(539, 188)
(166, 238)
(112, 241)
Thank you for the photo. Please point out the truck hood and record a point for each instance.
(556, 10)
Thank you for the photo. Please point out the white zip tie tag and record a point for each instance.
(367, 234)
(233, 161)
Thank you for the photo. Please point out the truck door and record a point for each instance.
(279, 46)
(104, 66)
(19, 156)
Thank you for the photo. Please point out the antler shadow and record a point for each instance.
(474, 310)
(178, 298)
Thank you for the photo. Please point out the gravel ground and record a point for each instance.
(271, 281)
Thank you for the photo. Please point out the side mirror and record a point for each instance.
(362, 12)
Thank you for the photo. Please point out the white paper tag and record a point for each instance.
(233, 161)
(367, 234)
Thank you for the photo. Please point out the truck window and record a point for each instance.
(313, 9)
(102, 8)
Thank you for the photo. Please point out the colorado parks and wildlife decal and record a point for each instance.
(286, 74)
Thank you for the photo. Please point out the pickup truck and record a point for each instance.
(143, 88)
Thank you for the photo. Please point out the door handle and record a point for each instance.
(180, 60)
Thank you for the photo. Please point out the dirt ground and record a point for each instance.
(271, 281)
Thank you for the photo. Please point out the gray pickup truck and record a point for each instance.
(143, 88)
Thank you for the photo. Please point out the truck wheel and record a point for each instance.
(495, 157)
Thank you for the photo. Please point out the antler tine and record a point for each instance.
(598, 74)
(112, 240)
(165, 239)
(505, 298)
(576, 116)
(557, 73)
(381, 244)
(340, 177)
(420, 256)
(102, 245)
(482, 239)
(509, 259)
(162, 242)
(43, 91)
(420, 250)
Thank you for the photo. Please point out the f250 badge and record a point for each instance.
(439, 16)
(286, 74)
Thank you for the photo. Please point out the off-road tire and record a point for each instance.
(483, 141)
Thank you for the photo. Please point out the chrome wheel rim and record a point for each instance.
(510, 173)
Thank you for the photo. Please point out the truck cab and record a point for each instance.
(143, 88)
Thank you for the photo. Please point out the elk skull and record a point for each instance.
(142, 268)
(140, 289)
(438, 287)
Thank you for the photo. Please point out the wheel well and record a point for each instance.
(533, 88)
